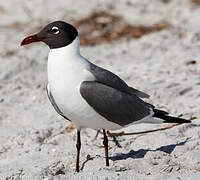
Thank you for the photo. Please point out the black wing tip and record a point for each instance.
(158, 112)
(176, 120)
(169, 119)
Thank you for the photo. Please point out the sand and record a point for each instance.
(165, 64)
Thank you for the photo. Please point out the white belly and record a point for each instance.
(73, 106)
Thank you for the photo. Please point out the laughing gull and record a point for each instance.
(88, 95)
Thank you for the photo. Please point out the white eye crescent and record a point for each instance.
(55, 30)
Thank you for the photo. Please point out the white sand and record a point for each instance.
(32, 143)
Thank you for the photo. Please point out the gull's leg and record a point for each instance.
(78, 147)
(98, 131)
(105, 143)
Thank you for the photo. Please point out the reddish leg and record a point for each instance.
(105, 143)
(78, 147)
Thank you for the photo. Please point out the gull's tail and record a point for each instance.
(168, 119)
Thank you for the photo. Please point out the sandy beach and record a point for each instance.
(163, 63)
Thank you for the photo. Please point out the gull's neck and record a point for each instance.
(66, 58)
(72, 49)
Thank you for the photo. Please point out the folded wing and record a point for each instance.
(114, 105)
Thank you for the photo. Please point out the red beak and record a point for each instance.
(30, 39)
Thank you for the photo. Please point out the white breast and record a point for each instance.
(67, 69)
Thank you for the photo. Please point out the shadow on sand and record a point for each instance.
(142, 152)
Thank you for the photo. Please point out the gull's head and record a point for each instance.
(56, 35)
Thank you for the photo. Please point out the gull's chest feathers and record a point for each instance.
(66, 72)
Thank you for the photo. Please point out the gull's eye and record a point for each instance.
(54, 30)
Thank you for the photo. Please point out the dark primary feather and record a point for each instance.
(114, 105)
(168, 119)
(109, 79)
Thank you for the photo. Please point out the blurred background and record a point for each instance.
(154, 45)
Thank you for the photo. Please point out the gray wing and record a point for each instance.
(54, 103)
(138, 93)
(108, 78)
(112, 104)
